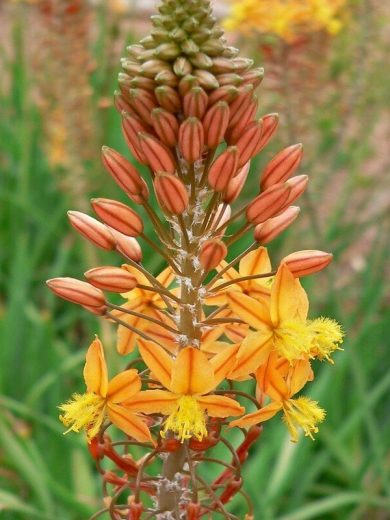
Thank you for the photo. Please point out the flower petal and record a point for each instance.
(123, 386)
(223, 362)
(255, 262)
(153, 401)
(254, 350)
(158, 360)
(270, 380)
(220, 406)
(95, 369)
(299, 375)
(192, 373)
(264, 414)
(129, 423)
(254, 312)
(288, 298)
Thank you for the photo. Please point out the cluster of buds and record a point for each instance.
(200, 328)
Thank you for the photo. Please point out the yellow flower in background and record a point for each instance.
(104, 399)
(288, 19)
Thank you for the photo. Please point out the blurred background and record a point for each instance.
(327, 74)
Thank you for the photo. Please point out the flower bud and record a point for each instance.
(206, 80)
(236, 184)
(229, 79)
(142, 82)
(159, 157)
(253, 77)
(132, 126)
(303, 263)
(125, 174)
(249, 143)
(109, 278)
(187, 83)
(168, 98)
(246, 117)
(191, 139)
(223, 169)
(270, 125)
(271, 228)
(212, 252)
(297, 185)
(200, 60)
(195, 103)
(226, 93)
(76, 291)
(143, 103)
(240, 104)
(166, 126)
(127, 246)
(182, 67)
(118, 216)
(282, 166)
(267, 204)
(215, 124)
(92, 230)
(121, 104)
(222, 66)
(166, 77)
(171, 193)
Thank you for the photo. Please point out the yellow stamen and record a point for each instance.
(303, 413)
(292, 340)
(188, 420)
(327, 337)
(84, 412)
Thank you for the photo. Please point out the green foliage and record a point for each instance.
(345, 473)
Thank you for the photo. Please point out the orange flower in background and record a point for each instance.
(281, 382)
(188, 381)
(104, 399)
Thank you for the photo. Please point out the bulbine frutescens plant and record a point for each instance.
(201, 328)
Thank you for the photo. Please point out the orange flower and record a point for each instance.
(188, 381)
(280, 382)
(104, 398)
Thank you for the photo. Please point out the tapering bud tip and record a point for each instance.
(127, 246)
(282, 166)
(303, 263)
(268, 203)
(92, 230)
(114, 279)
(273, 227)
(118, 216)
(212, 253)
(76, 291)
(171, 193)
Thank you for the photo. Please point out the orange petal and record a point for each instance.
(192, 373)
(288, 298)
(123, 386)
(126, 338)
(166, 277)
(254, 350)
(254, 312)
(158, 360)
(95, 369)
(153, 401)
(270, 380)
(129, 423)
(220, 406)
(255, 262)
(299, 375)
(223, 362)
(141, 278)
(257, 417)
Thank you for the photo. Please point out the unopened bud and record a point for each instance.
(222, 66)
(229, 79)
(76, 291)
(249, 143)
(200, 60)
(92, 230)
(166, 126)
(282, 166)
(187, 83)
(167, 51)
(222, 215)
(127, 246)
(246, 117)
(166, 77)
(206, 80)
(118, 216)
(132, 126)
(253, 77)
(267, 204)
(142, 82)
(182, 67)
(297, 185)
(159, 157)
(215, 124)
(303, 263)
(236, 185)
(212, 252)
(125, 174)
(143, 103)
(191, 139)
(168, 98)
(114, 279)
(152, 67)
(240, 103)
(226, 93)
(171, 193)
(195, 103)
(270, 125)
(223, 169)
(273, 227)
(121, 104)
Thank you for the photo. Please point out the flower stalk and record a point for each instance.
(200, 327)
